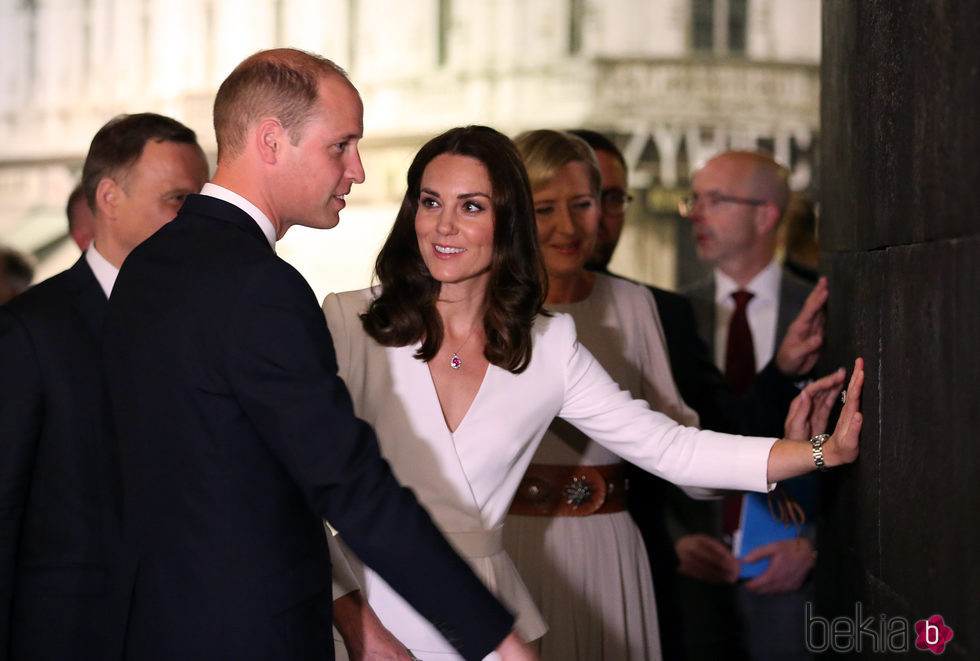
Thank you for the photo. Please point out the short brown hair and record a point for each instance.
(282, 83)
(118, 145)
(545, 152)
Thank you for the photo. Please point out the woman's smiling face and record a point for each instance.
(455, 220)
(567, 215)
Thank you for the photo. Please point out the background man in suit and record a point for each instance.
(735, 207)
(81, 220)
(759, 412)
(236, 434)
(59, 534)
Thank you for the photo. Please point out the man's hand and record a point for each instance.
(810, 410)
(365, 638)
(800, 349)
(512, 648)
(706, 559)
(790, 560)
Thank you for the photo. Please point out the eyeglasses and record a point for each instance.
(712, 199)
(615, 200)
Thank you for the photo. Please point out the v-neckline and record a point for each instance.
(466, 414)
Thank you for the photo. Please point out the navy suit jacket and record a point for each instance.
(236, 437)
(59, 518)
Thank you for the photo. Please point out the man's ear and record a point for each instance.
(269, 139)
(767, 218)
(107, 197)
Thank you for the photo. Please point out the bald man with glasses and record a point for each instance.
(743, 310)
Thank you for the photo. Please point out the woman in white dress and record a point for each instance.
(451, 362)
(588, 572)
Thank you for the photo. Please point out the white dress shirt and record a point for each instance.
(104, 272)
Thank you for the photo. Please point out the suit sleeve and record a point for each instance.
(284, 374)
(20, 424)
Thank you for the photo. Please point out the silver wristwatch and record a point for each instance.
(817, 443)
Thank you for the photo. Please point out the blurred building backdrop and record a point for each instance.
(673, 81)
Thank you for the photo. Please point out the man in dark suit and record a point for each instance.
(737, 202)
(60, 597)
(760, 411)
(235, 433)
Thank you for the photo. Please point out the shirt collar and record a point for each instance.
(764, 286)
(222, 193)
(104, 272)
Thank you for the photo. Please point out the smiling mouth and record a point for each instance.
(446, 250)
(566, 247)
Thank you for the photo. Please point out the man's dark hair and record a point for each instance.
(118, 145)
(599, 142)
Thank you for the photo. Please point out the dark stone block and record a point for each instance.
(930, 525)
(900, 528)
(848, 530)
(899, 137)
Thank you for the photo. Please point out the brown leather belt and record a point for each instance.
(553, 490)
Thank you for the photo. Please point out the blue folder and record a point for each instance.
(758, 527)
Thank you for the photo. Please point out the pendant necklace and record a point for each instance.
(455, 362)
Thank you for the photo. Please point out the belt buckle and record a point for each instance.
(585, 494)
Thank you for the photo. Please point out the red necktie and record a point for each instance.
(740, 373)
(740, 352)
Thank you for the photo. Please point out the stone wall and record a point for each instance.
(900, 241)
